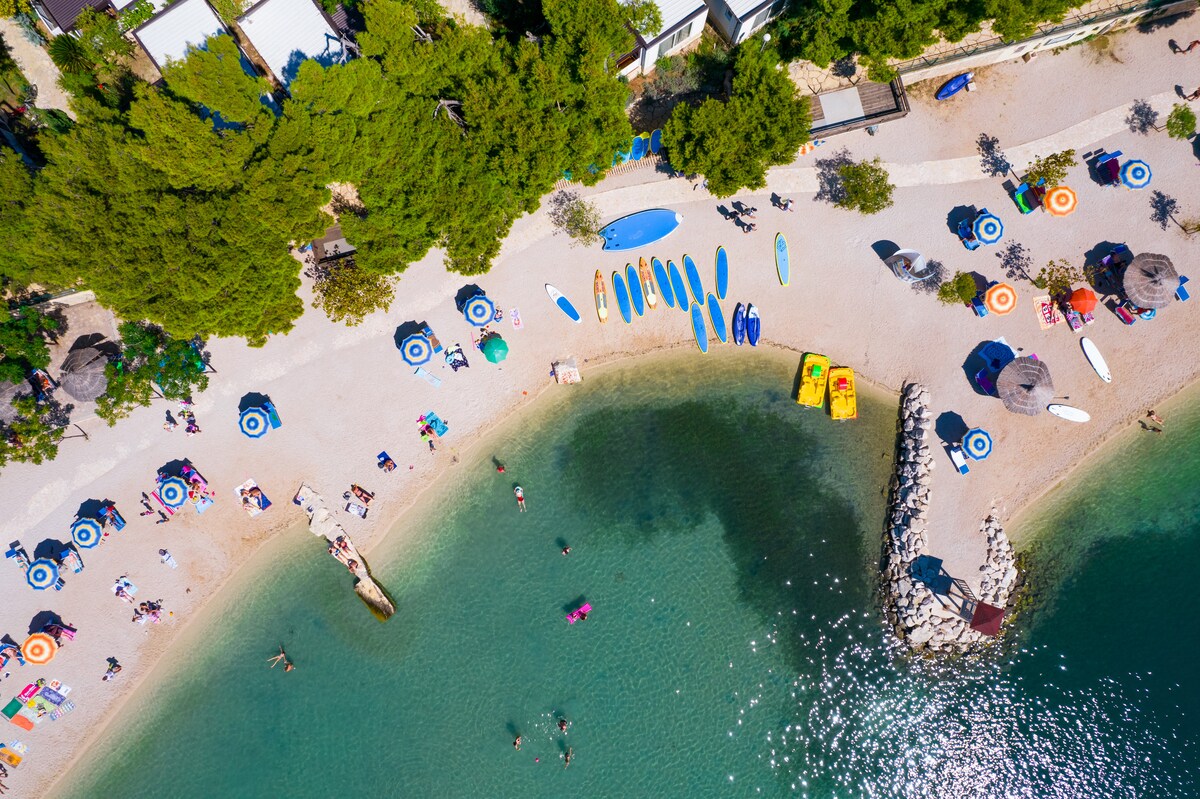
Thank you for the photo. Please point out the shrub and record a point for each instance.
(865, 187)
(1181, 122)
(958, 290)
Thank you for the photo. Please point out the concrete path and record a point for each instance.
(36, 65)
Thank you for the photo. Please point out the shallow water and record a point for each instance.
(727, 540)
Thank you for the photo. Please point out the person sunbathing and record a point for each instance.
(387, 464)
(362, 493)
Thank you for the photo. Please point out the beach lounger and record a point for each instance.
(272, 415)
(358, 510)
(427, 376)
(1124, 315)
(981, 377)
(959, 458)
(17, 553)
(1110, 168)
(978, 307)
(433, 340)
(1074, 320)
(109, 514)
(71, 559)
(1181, 293)
(435, 423)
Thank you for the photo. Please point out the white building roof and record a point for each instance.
(183, 25)
(741, 8)
(287, 32)
(673, 13)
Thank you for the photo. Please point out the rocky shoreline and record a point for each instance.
(927, 608)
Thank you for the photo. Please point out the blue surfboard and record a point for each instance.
(753, 325)
(622, 297)
(722, 273)
(718, 318)
(640, 229)
(698, 327)
(656, 141)
(563, 303)
(739, 324)
(677, 286)
(782, 266)
(635, 290)
(640, 146)
(693, 278)
(664, 283)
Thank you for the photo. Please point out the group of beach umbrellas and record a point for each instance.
(478, 310)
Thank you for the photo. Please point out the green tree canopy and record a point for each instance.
(33, 436)
(732, 143)
(16, 224)
(1051, 168)
(150, 358)
(23, 343)
(865, 187)
(348, 294)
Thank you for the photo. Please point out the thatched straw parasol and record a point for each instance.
(1150, 281)
(1024, 386)
(83, 374)
(8, 393)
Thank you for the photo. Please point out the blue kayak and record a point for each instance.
(739, 325)
(635, 290)
(722, 273)
(693, 278)
(718, 318)
(664, 283)
(753, 325)
(640, 229)
(622, 297)
(954, 86)
(698, 327)
(677, 286)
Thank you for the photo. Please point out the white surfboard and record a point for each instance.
(1092, 353)
(1068, 412)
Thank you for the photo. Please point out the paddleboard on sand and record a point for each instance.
(647, 281)
(722, 273)
(640, 145)
(664, 283)
(739, 324)
(698, 327)
(693, 279)
(1092, 353)
(563, 303)
(601, 293)
(1068, 412)
(655, 141)
(640, 229)
(782, 266)
(635, 290)
(753, 325)
(677, 286)
(622, 297)
(718, 318)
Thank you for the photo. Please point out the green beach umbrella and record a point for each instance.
(495, 349)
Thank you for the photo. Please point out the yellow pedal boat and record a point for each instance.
(843, 402)
(813, 377)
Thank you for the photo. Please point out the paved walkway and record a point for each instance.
(36, 65)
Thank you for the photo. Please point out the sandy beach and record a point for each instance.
(344, 394)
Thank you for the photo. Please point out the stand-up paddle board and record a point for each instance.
(655, 141)
(640, 146)
(1092, 353)
(664, 282)
(622, 297)
(647, 281)
(718, 318)
(722, 273)
(677, 286)
(782, 266)
(640, 229)
(635, 290)
(693, 278)
(753, 325)
(739, 324)
(1068, 412)
(563, 303)
(601, 293)
(698, 327)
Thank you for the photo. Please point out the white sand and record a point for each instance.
(345, 394)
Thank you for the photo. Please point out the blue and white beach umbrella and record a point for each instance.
(479, 310)
(977, 444)
(173, 492)
(254, 422)
(988, 228)
(416, 349)
(42, 574)
(86, 533)
(1136, 174)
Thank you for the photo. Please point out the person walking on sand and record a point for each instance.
(1194, 95)
(1185, 50)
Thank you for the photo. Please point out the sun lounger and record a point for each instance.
(358, 510)
(253, 505)
(433, 340)
(272, 415)
(17, 553)
(981, 377)
(109, 514)
(959, 458)
(1074, 320)
(978, 306)
(71, 559)
(428, 376)
(434, 423)
(1110, 168)
(1181, 293)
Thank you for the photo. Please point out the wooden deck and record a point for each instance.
(881, 102)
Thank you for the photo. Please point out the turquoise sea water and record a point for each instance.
(727, 540)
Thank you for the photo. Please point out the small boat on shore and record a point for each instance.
(814, 375)
(601, 293)
(843, 401)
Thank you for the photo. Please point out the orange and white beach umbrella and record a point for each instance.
(1060, 201)
(39, 649)
(1000, 299)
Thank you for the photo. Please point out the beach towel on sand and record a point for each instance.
(515, 316)
(1047, 312)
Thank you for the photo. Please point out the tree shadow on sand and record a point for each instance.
(1016, 261)
(992, 159)
(829, 180)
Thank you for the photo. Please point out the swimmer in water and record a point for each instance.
(562, 725)
(566, 550)
(517, 743)
(567, 759)
(520, 492)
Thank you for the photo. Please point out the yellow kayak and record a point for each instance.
(843, 402)
(813, 377)
(601, 297)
